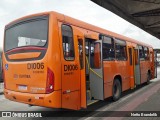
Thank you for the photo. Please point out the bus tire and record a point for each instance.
(117, 90)
(148, 78)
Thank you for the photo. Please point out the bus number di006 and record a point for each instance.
(35, 66)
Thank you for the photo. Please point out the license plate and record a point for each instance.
(22, 87)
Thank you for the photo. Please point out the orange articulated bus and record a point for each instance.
(52, 60)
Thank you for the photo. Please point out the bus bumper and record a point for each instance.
(52, 100)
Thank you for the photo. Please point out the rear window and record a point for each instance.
(33, 32)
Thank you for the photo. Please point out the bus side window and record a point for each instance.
(136, 57)
(130, 56)
(141, 53)
(80, 46)
(108, 49)
(120, 48)
(146, 53)
(151, 54)
(96, 55)
(68, 45)
(86, 48)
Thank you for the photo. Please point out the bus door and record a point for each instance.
(96, 71)
(137, 66)
(131, 61)
(155, 64)
(81, 50)
(70, 68)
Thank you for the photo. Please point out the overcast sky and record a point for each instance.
(84, 10)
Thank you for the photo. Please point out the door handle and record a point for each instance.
(66, 91)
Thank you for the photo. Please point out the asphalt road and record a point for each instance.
(131, 100)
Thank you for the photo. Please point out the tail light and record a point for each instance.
(50, 81)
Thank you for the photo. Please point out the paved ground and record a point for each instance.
(1, 88)
(144, 98)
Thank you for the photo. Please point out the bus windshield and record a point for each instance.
(28, 33)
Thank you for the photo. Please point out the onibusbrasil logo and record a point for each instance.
(21, 114)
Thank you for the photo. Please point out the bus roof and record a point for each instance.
(84, 25)
(101, 30)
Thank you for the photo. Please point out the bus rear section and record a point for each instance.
(28, 77)
(44, 63)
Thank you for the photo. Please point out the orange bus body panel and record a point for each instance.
(69, 87)
(24, 55)
(46, 100)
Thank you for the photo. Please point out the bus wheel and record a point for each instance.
(148, 78)
(117, 90)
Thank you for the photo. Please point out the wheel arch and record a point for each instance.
(119, 78)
